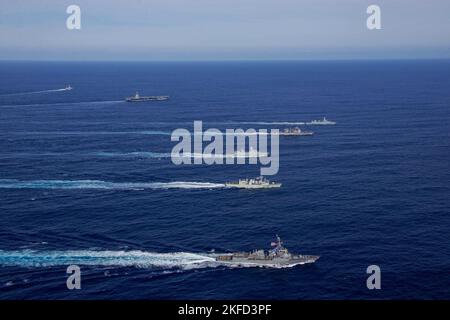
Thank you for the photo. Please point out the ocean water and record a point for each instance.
(86, 178)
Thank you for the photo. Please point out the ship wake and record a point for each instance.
(136, 258)
(34, 92)
(275, 123)
(104, 185)
(136, 154)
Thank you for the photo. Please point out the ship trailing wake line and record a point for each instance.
(134, 258)
(27, 258)
(323, 121)
(67, 88)
(104, 185)
(256, 183)
(65, 104)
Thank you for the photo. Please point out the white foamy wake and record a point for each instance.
(143, 132)
(89, 133)
(158, 155)
(276, 123)
(138, 154)
(66, 104)
(98, 184)
(136, 258)
(34, 92)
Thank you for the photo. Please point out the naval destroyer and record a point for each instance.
(324, 121)
(295, 132)
(256, 183)
(277, 257)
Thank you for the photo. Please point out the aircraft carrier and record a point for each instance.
(138, 98)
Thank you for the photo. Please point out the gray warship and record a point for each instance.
(138, 98)
(277, 257)
(295, 132)
(324, 121)
(256, 183)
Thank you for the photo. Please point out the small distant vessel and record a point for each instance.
(68, 87)
(324, 121)
(256, 183)
(277, 257)
(138, 98)
(295, 132)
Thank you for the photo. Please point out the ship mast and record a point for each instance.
(278, 246)
(279, 242)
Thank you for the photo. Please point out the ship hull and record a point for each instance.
(269, 186)
(321, 123)
(269, 263)
(143, 99)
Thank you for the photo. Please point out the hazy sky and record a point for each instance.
(223, 29)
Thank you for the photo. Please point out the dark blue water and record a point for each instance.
(83, 179)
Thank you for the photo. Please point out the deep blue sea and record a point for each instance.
(85, 179)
